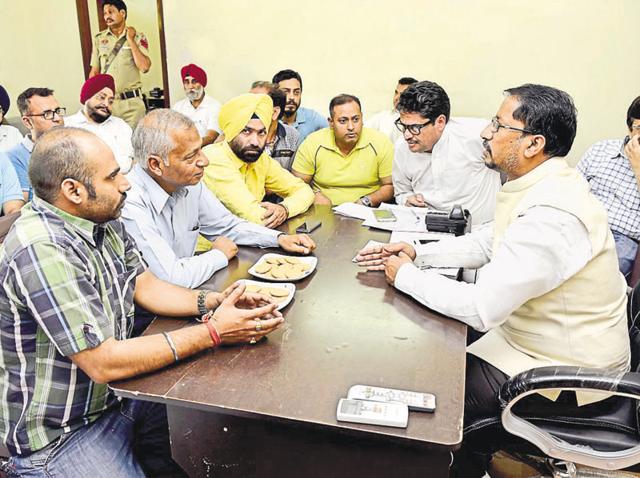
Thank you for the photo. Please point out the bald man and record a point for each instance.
(240, 172)
(168, 207)
(71, 275)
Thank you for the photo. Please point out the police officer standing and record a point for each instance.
(121, 52)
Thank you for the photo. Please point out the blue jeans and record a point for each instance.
(129, 441)
(626, 249)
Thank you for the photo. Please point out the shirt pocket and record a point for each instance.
(188, 238)
(627, 193)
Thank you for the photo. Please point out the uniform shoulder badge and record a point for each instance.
(143, 41)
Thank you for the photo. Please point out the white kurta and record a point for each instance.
(453, 173)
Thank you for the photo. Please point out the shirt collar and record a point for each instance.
(27, 142)
(90, 231)
(157, 195)
(300, 116)
(124, 32)
(619, 150)
(442, 140)
(81, 117)
(536, 174)
(362, 143)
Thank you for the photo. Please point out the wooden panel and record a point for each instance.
(163, 54)
(84, 28)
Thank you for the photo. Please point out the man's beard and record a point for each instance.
(98, 115)
(195, 94)
(240, 152)
(288, 113)
(509, 165)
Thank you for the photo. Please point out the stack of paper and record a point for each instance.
(417, 238)
(351, 209)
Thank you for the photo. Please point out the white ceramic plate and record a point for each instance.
(284, 285)
(310, 260)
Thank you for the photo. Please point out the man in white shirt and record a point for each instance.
(168, 206)
(9, 135)
(97, 96)
(199, 107)
(548, 290)
(439, 163)
(384, 121)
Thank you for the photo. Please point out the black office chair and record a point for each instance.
(560, 439)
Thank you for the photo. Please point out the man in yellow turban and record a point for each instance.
(240, 173)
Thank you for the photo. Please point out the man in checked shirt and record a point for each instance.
(69, 277)
(612, 167)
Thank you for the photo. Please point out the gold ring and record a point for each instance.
(253, 341)
(258, 325)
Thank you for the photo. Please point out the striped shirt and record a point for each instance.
(614, 183)
(66, 285)
(284, 146)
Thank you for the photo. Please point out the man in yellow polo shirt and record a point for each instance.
(346, 162)
(240, 172)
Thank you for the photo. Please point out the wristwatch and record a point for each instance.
(366, 201)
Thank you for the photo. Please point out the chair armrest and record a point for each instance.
(576, 379)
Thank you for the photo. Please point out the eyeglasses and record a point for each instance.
(50, 114)
(496, 125)
(414, 129)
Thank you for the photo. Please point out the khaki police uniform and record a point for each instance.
(128, 103)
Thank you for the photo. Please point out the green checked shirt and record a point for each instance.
(66, 285)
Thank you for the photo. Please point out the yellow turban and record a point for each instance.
(236, 113)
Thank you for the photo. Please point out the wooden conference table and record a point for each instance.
(269, 410)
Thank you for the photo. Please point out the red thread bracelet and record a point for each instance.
(215, 336)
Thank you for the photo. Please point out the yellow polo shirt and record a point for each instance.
(241, 186)
(345, 178)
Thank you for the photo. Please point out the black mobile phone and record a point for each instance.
(626, 140)
(308, 226)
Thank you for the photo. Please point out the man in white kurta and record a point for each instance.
(438, 162)
(199, 107)
(548, 291)
(97, 97)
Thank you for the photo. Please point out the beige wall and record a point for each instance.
(474, 49)
(40, 46)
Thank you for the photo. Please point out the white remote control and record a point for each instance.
(420, 402)
(373, 413)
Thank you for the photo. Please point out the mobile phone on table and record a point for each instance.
(308, 226)
(384, 215)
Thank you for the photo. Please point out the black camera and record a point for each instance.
(457, 221)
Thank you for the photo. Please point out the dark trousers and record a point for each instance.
(482, 384)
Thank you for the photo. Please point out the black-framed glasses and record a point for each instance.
(414, 129)
(50, 114)
(496, 125)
